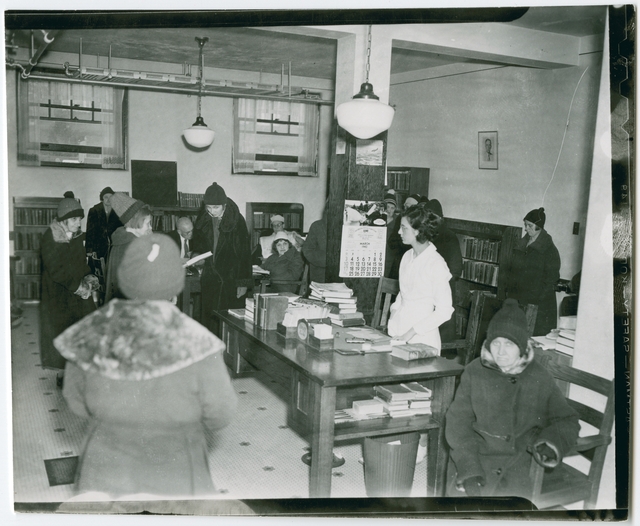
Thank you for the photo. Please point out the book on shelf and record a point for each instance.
(340, 301)
(350, 415)
(565, 349)
(349, 322)
(569, 334)
(369, 406)
(421, 392)
(238, 313)
(420, 404)
(345, 315)
(394, 393)
(413, 351)
(333, 288)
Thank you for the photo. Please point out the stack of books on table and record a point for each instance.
(566, 341)
(249, 308)
(342, 302)
(404, 399)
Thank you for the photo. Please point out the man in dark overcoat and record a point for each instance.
(102, 221)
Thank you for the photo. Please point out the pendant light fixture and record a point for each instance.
(199, 135)
(364, 116)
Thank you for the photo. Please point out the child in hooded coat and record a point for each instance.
(506, 405)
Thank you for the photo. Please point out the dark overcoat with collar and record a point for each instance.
(532, 276)
(99, 230)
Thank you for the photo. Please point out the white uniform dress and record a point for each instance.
(424, 301)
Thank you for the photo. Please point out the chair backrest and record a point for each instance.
(387, 289)
(594, 447)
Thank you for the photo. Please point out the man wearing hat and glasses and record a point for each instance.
(221, 229)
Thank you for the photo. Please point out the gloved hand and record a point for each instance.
(545, 454)
(472, 486)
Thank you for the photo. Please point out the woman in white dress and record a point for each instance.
(424, 301)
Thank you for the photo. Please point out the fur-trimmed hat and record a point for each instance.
(215, 195)
(151, 269)
(509, 322)
(537, 217)
(68, 208)
(107, 190)
(125, 206)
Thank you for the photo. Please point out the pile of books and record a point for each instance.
(249, 309)
(566, 341)
(404, 399)
(341, 301)
(361, 410)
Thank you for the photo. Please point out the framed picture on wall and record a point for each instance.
(488, 150)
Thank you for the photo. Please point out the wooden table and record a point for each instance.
(321, 382)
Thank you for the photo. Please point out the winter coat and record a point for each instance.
(286, 267)
(152, 382)
(230, 266)
(424, 301)
(395, 249)
(99, 230)
(495, 416)
(532, 276)
(314, 250)
(119, 242)
(64, 265)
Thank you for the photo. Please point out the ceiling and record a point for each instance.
(253, 49)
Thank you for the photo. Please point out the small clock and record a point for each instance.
(303, 330)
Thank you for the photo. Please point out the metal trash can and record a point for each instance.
(389, 467)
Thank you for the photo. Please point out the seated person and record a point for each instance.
(506, 405)
(264, 249)
(284, 264)
(182, 237)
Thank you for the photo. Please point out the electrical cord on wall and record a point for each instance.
(564, 135)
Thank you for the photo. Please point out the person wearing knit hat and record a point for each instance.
(67, 281)
(412, 200)
(534, 270)
(221, 229)
(507, 409)
(151, 381)
(136, 217)
(102, 222)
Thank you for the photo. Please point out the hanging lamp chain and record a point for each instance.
(201, 43)
(368, 55)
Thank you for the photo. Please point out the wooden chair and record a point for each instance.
(302, 283)
(565, 484)
(387, 289)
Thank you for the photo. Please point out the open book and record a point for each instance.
(194, 260)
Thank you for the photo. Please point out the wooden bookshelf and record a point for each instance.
(165, 218)
(259, 218)
(486, 252)
(31, 218)
(406, 180)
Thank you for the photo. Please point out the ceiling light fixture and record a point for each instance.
(364, 116)
(199, 135)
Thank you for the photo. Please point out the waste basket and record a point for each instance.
(389, 464)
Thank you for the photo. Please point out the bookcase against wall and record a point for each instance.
(31, 218)
(406, 181)
(259, 218)
(165, 218)
(487, 250)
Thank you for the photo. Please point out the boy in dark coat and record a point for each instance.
(506, 405)
(221, 229)
(67, 281)
(534, 272)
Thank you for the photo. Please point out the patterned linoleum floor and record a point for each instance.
(256, 457)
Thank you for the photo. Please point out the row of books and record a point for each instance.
(27, 240)
(566, 341)
(27, 290)
(475, 248)
(486, 273)
(190, 200)
(27, 265)
(167, 222)
(263, 220)
(34, 216)
(399, 180)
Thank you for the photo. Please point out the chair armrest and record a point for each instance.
(589, 442)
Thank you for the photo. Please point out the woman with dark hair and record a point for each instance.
(534, 272)
(283, 264)
(424, 301)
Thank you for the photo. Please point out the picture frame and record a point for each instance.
(488, 150)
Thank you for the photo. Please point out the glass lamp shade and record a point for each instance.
(199, 135)
(365, 116)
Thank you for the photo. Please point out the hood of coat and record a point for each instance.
(121, 236)
(136, 340)
(541, 244)
(228, 221)
(60, 234)
(486, 358)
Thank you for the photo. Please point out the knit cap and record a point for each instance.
(435, 206)
(69, 207)
(537, 217)
(390, 197)
(151, 269)
(215, 195)
(509, 322)
(107, 190)
(125, 206)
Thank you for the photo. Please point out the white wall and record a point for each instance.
(437, 123)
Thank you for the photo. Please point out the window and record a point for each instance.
(275, 137)
(71, 125)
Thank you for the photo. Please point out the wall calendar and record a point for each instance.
(364, 243)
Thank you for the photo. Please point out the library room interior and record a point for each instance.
(255, 264)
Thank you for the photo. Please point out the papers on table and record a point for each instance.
(194, 260)
(259, 270)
